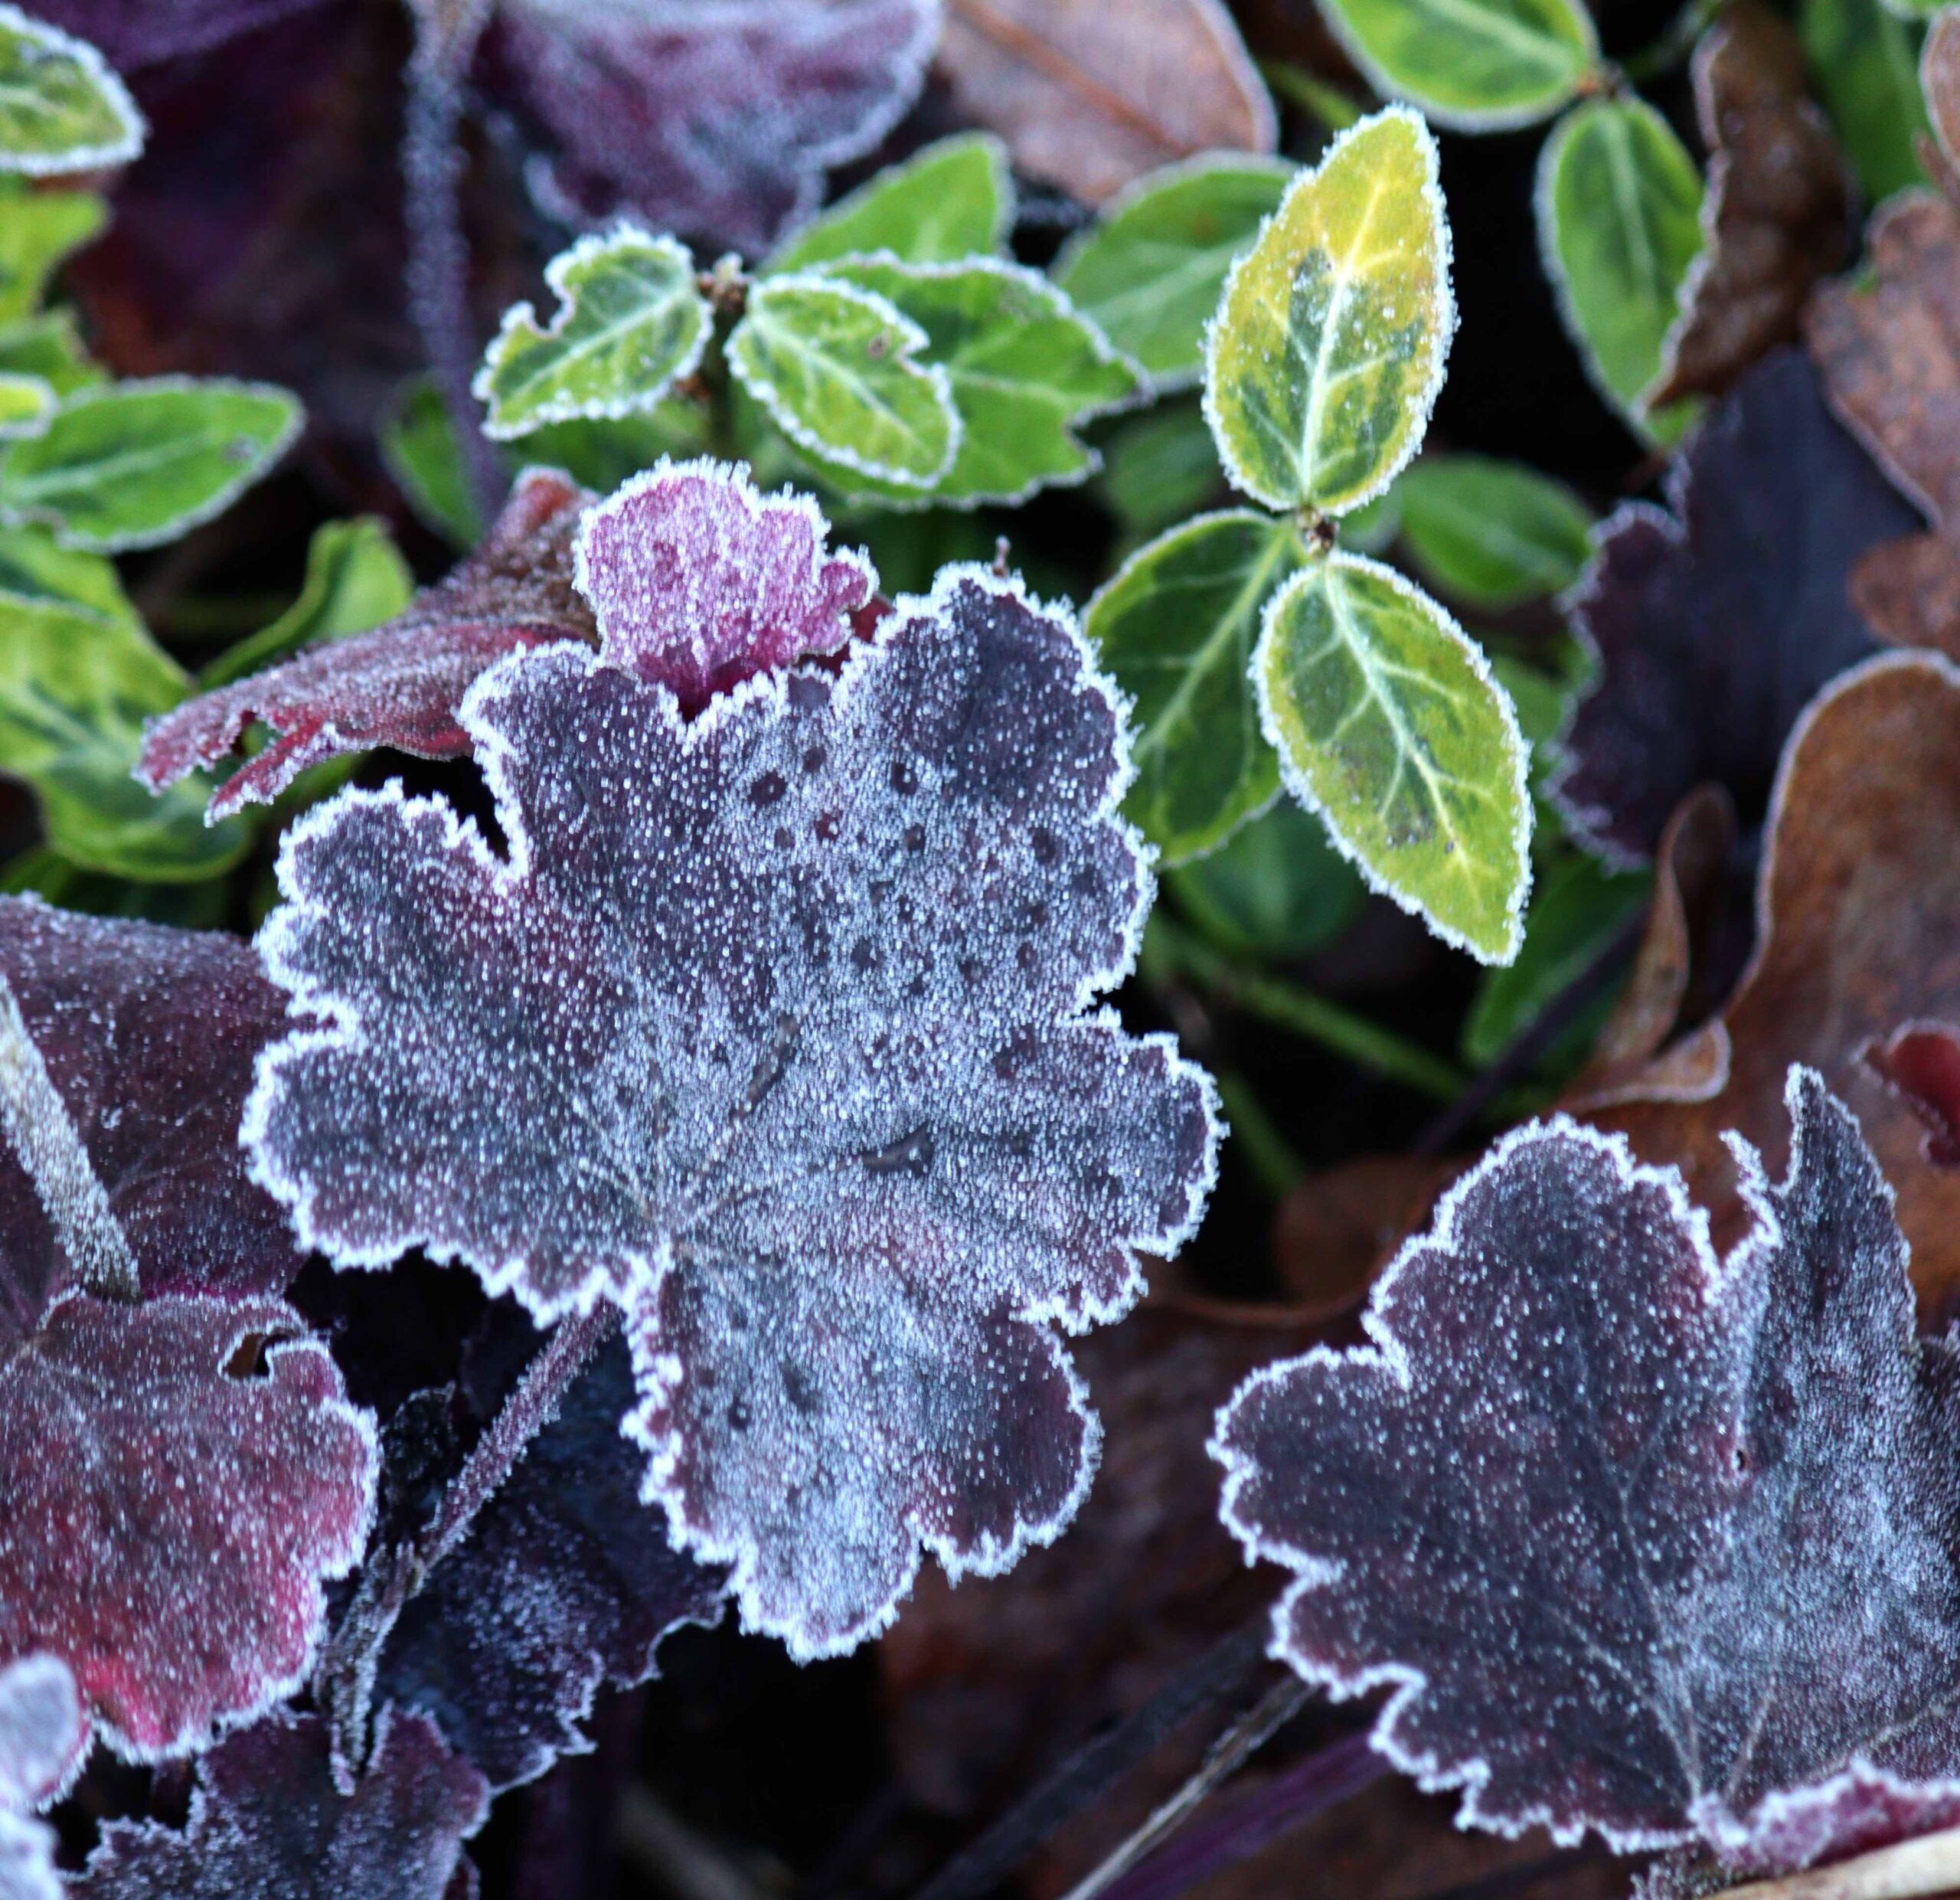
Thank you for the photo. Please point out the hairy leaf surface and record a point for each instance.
(1669, 1551)
(775, 1026)
(953, 200)
(61, 107)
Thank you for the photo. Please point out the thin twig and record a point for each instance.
(35, 1120)
(1908, 1871)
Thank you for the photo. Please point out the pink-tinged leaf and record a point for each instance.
(401, 685)
(697, 580)
(777, 1026)
(714, 119)
(266, 1819)
(1641, 1542)
(148, 1035)
(1920, 1063)
(133, 34)
(567, 1582)
(170, 1519)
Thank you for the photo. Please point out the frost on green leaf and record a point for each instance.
(76, 686)
(61, 108)
(1388, 723)
(1619, 222)
(137, 463)
(1023, 368)
(1327, 350)
(1177, 627)
(1149, 270)
(630, 324)
(953, 199)
(838, 371)
(26, 404)
(38, 230)
(1276, 888)
(1492, 533)
(1472, 65)
(1863, 61)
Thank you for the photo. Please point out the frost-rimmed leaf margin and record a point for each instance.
(593, 244)
(339, 1025)
(1423, 405)
(247, 473)
(913, 342)
(1295, 782)
(114, 93)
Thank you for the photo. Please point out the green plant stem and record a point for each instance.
(1287, 1006)
(1265, 1148)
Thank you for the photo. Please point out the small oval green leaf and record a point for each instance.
(1149, 270)
(838, 371)
(953, 199)
(1327, 351)
(1276, 887)
(1491, 533)
(1177, 626)
(1619, 222)
(1389, 724)
(136, 463)
(630, 323)
(1472, 65)
(61, 107)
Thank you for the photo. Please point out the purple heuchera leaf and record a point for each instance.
(170, 1520)
(715, 118)
(568, 1582)
(697, 580)
(401, 685)
(1642, 1542)
(148, 1035)
(776, 1027)
(42, 1735)
(266, 1819)
(137, 33)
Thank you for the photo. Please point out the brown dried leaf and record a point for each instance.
(1092, 93)
(1777, 216)
(1336, 1226)
(1858, 930)
(1939, 79)
(1920, 1063)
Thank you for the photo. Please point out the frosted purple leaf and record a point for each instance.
(716, 119)
(776, 1026)
(267, 1821)
(133, 34)
(696, 580)
(1641, 1542)
(148, 1035)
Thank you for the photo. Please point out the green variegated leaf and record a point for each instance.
(61, 108)
(1389, 723)
(1177, 626)
(1619, 222)
(1023, 366)
(49, 346)
(953, 199)
(630, 324)
(1276, 887)
(38, 230)
(839, 371)
(1865, 65)
(1473, 65)
(34, 566)
(1491, 533)
(137, 463)
(1327, 351)
(27, 403)
(75, 688)
(1149, 270)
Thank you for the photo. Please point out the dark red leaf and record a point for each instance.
(1641, 1542)
(1716, 622)
(402, 684)
(267, 1820)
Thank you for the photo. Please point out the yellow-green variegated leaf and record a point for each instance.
(38, 230)
(26, 404)
(1176, 625)
(62, 109)
(839, 371)
(1327, 351)
(630, 324)
(1473, 65)
(953, 199)
(1389, 724)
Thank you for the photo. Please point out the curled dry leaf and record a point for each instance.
(1777, 215)
(1890, 357)
(714, 119)
(400, 685)
(1939, 79)
(1920, 1063)
(1644, 1541)
(775, 1026)
(1092, 94)
(266, 1818)
(1715, 622)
